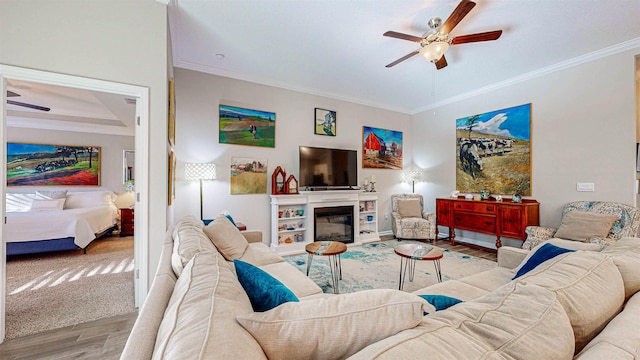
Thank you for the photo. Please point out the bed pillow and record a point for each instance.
(582, 225)
(409, 208)
(76, 200)
(51, 195)
(47, 205)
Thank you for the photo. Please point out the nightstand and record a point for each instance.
(126, 222)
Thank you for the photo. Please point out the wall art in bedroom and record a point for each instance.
(493, 151)
(52, 165)
(381, 149)
(248, 176)
(247, 127)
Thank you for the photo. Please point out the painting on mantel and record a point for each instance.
(493, 152)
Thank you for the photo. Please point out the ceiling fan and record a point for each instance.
(18, 103)
(435, 42)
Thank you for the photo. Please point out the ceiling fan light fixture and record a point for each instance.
(434, 51)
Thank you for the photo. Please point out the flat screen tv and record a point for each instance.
(328, 168)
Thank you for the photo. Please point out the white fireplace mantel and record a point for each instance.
(293, 230)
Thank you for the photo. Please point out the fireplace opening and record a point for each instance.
(333, 224)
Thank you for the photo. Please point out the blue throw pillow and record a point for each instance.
(544, 253)
(265, 292)
(231, 219)
(440, 302)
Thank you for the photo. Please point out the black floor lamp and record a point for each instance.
(200, 171)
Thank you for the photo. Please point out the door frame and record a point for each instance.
(141, 235)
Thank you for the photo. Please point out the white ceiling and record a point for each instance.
(335, 48)
(72, 109)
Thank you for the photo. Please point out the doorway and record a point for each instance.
(141, 96)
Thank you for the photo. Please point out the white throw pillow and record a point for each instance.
(46, 205)
(334, 327)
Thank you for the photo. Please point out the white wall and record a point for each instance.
(110, 164)
(116, 40)
(197, 98)
(583, 130)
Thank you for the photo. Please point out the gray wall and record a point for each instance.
(117, 40)
(111, 148)
(583, 130)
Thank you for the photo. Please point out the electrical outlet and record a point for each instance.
(386, 217)
(585, 187)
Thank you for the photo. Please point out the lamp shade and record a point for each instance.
(412, 175)
(434, 51)
(200, 171)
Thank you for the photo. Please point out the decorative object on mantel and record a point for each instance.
(365, 185)
(53, 165)
(325, 122)
(373, 184)
(200, 171)
(248, 176)
(277, 181)
(247, 127)
(412, 175)
(488, 144)
(381, 149)
(291, 185)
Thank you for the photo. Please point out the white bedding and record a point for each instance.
(81, 223)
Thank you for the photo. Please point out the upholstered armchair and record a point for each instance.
(624, 221)
(408, 219)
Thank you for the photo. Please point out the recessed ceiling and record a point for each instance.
(336, 48)
(72, 109)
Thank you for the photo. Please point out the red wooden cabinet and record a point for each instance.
(126, 222)
(502, 219)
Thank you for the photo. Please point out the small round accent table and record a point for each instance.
(409, 253)
(332, 249)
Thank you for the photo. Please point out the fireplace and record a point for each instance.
(333, 224)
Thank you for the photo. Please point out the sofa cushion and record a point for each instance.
(199, 322)
(293, 279)
(409, 208)
(489, 280)
(589, 287)
(516, 321)
(543, 253)
(626, 255)
(265, 292)
(259, 254)
(620, 339)
(334, 327)
(227, 238)
(582, 226)
(188, 240)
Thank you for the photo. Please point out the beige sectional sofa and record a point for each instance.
(581, 304)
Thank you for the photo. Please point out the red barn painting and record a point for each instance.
(381, 149)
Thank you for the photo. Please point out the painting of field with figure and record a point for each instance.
(52, 165)
(493, 152)
(248, 176)
(247, 127)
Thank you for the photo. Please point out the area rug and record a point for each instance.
(66, 288)
(376, 266)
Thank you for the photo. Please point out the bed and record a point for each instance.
(47, 221)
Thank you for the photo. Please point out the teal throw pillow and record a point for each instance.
(441, 302)
(265, 292)
(544, 253)
(231, 219)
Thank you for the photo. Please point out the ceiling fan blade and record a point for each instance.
(11, 93)
(456, 16)
(403, 58)
(30, 106)
(485, 36)
(402, 36)
(441, 63)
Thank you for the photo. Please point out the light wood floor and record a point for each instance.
(105, 338)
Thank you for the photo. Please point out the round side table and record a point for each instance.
(332, 249)
(409, 253)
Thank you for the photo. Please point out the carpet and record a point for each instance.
(55, 290)
(376, 266)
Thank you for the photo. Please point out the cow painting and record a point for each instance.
(470, 159)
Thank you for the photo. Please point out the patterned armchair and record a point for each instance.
(626, 225)
(405, 225)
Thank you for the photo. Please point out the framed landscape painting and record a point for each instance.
(52, 165)
(381, 149)
(325, 122)
(493, 152)
(247, 127)
(248, 176)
